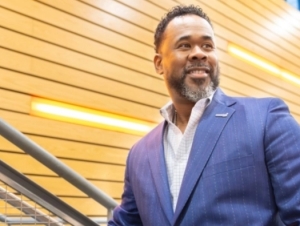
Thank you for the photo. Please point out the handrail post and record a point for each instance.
(109, 214)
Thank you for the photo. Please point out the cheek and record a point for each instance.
(170, 64)
(179, 63)
(213, 60)
(174, 64)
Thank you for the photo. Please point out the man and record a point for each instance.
(216, 160)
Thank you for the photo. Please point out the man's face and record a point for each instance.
(187, 59)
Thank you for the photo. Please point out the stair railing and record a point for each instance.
(61, 169)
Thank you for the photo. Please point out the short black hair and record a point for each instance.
(176, 11)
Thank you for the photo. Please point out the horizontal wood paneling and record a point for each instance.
(58, 54)
(60, 187)
(90, 170)
(92, 32)
(152, 10)
(60, 92)
(276, 22)
(14, 101)
(74, 23)
(103, 19)
(58, 73)
(287, 38)
(74, 150)
(279, 9)
(87, 206)
(119, 10)
(287, 11)
(231, 36)
(63, 130)
(253, 71)
(100, 17)
(165, 4)
(267, 90)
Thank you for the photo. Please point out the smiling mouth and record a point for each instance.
(198, 73)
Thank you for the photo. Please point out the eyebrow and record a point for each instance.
(186, 37)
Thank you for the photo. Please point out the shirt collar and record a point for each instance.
(167, 110)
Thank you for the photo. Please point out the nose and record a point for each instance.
(197, 54)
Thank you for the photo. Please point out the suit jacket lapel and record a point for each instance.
(207, 134)
(159, 172)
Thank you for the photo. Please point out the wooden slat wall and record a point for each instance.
(98, 54)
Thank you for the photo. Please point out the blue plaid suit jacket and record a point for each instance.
(244, 169)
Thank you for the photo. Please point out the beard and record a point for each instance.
(201, 91)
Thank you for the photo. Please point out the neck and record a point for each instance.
(182, 115)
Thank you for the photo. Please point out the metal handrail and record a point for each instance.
(26, 187)
(49, 160)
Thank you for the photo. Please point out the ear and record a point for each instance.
(158, 64)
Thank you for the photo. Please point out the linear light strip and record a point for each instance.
(262, 63)
(84, 116)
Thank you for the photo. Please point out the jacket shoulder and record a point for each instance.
(153, 137)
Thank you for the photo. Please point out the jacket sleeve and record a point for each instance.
(282, 152)
(126, 214)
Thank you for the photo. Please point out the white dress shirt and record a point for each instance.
(177, 146)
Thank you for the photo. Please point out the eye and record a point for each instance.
(207, 46)
(184, 46)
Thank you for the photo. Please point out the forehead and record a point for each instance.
(188, 25)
